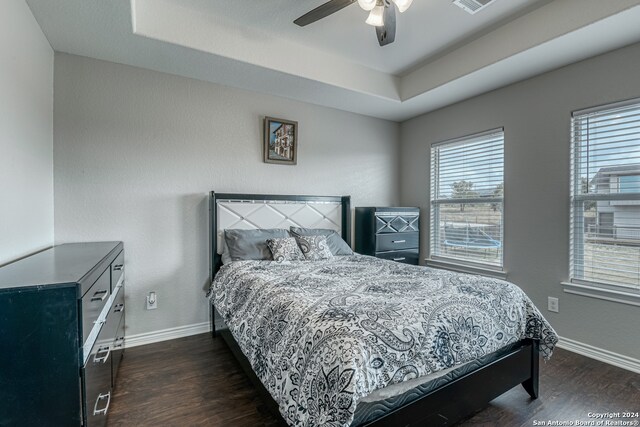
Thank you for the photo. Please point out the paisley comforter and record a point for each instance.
(321, 335)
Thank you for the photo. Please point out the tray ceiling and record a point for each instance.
(441, 55)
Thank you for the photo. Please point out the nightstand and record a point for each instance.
(389, 232)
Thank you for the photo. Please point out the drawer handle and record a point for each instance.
(118, 267)
(118, 308)
(399, 259)
(104, 410)
(100, 295)
(398, 241)
(104, 358)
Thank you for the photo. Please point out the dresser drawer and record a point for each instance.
(93, 302)
(117, 270)
(407, 257)
(118, 350)
(97, 379)
(395, 241)
(114, 327)
(115, 313)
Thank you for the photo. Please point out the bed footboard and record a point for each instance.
(470, 393)
(444, 406)
(531, 383)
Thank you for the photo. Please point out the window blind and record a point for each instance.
(467, 193)
(605, 196)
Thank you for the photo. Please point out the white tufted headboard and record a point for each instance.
(253, 211)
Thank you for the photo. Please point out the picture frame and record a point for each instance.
(280, 145)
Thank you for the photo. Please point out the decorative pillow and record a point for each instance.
(336, 245)
(314, 248)
(251, 244)
(285, 249)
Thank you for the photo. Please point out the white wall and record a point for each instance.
(535, 114)
(136, 151)
(26, 134)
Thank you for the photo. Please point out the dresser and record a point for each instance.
(62, 334)
(389, 233)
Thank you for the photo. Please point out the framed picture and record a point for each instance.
(280, 141)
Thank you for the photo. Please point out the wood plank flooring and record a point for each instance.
(195, 381)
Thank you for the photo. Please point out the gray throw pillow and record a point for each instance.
(224, 256)
(285, 249)
(251, 244)
(337, 246)
(314, 248)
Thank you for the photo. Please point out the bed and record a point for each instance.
(361, 341)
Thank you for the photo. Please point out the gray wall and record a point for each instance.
(26, 134)
(136, 151)
(535, 114)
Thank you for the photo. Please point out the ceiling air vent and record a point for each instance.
(472, 6)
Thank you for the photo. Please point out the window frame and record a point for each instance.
(577, 284)
(453, 263)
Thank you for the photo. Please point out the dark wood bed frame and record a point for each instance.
(443, 406)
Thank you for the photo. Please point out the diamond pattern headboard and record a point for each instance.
(252, 211)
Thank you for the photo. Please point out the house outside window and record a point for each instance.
(467, 200)
(605, 199)
(629, 183)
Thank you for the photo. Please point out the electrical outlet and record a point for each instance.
(152, 301)
(553, 304)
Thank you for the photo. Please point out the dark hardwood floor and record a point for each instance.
(196, 381)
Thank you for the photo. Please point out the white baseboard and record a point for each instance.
(166, 334)
(602, 355)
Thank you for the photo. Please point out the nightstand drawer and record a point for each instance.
(397, 222)
(407, 257)
(395, 241)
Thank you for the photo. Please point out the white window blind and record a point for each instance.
(467, 193)
(605, 196)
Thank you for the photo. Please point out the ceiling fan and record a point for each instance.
(382, 15)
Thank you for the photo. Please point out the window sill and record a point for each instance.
(622, 296)
(464, 268)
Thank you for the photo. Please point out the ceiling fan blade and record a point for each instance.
(387, 33)
(322, 11)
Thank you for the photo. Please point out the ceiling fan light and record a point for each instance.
(367, 4)
(403, 4)
(376, 17)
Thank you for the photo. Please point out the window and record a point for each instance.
(467, 192)
(629, 183)
(605, 198)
